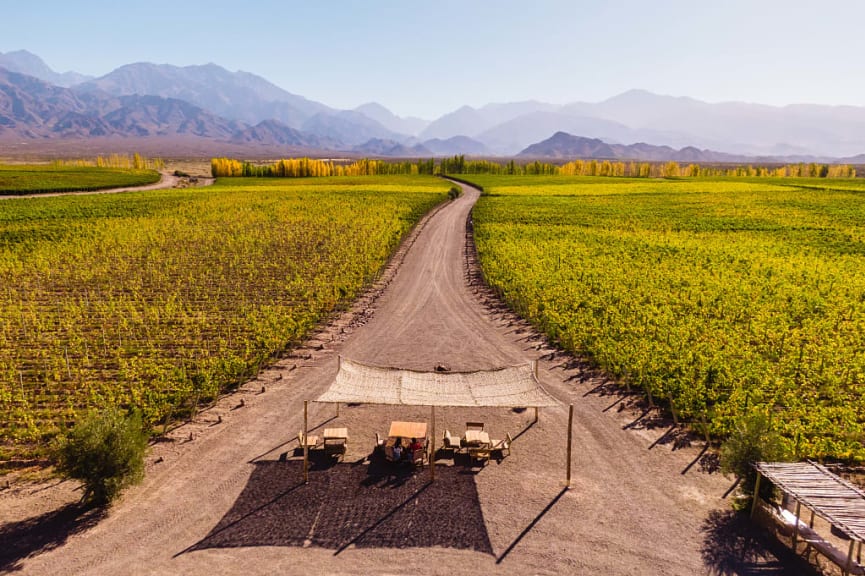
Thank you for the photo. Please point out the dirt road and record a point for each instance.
(167, 180)
(225, 498)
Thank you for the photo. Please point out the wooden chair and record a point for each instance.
(379, 442)
(503, 445)
(452, 442)
(418, 457)
(311, 441)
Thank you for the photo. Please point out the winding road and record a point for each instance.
(635, 506)
(167, 179)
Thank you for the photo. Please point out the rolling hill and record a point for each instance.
(562, 145)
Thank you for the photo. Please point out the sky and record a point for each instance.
(429, 58)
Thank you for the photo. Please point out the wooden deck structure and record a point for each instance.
(826, 494)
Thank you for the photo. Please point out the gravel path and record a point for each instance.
(167, 180)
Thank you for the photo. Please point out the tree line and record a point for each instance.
(458, 164)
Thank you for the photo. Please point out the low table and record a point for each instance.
(337, 435)
(335, 441)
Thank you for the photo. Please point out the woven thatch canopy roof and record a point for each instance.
(512, 386)
(838, 501)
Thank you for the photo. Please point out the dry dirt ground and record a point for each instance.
(224, 494)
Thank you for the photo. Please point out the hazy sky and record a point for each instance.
(428, 58)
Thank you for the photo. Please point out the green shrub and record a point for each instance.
(106, 452)
(454, 192)
(752, 441)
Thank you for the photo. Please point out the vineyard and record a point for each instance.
(162, 301)
(716, 298)
(44, 178)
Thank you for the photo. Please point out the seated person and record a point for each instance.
(414, 447)
(397, 450)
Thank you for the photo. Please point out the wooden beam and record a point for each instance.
(305, 442)
(849, 558)
(756, 493)
(796, 526)
(570, 443)
(432, 448)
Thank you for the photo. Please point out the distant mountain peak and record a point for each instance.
(390, 148)
(564, 145)
(455, 145)
(391, 121)
(636, 95)
(275, 133)
(25, 62)
(373, 107)
(238, 95)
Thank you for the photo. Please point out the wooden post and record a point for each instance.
(796, 527)
(338, 368)
(432, 448)
(536, 415)
(570, 443)
(849, 558)
(305, 442)
(756, 493)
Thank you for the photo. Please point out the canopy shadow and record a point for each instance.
(365, 505)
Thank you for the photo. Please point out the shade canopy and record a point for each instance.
(512, 386)
(838, 501)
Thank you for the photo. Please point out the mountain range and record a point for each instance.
(219, 109)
